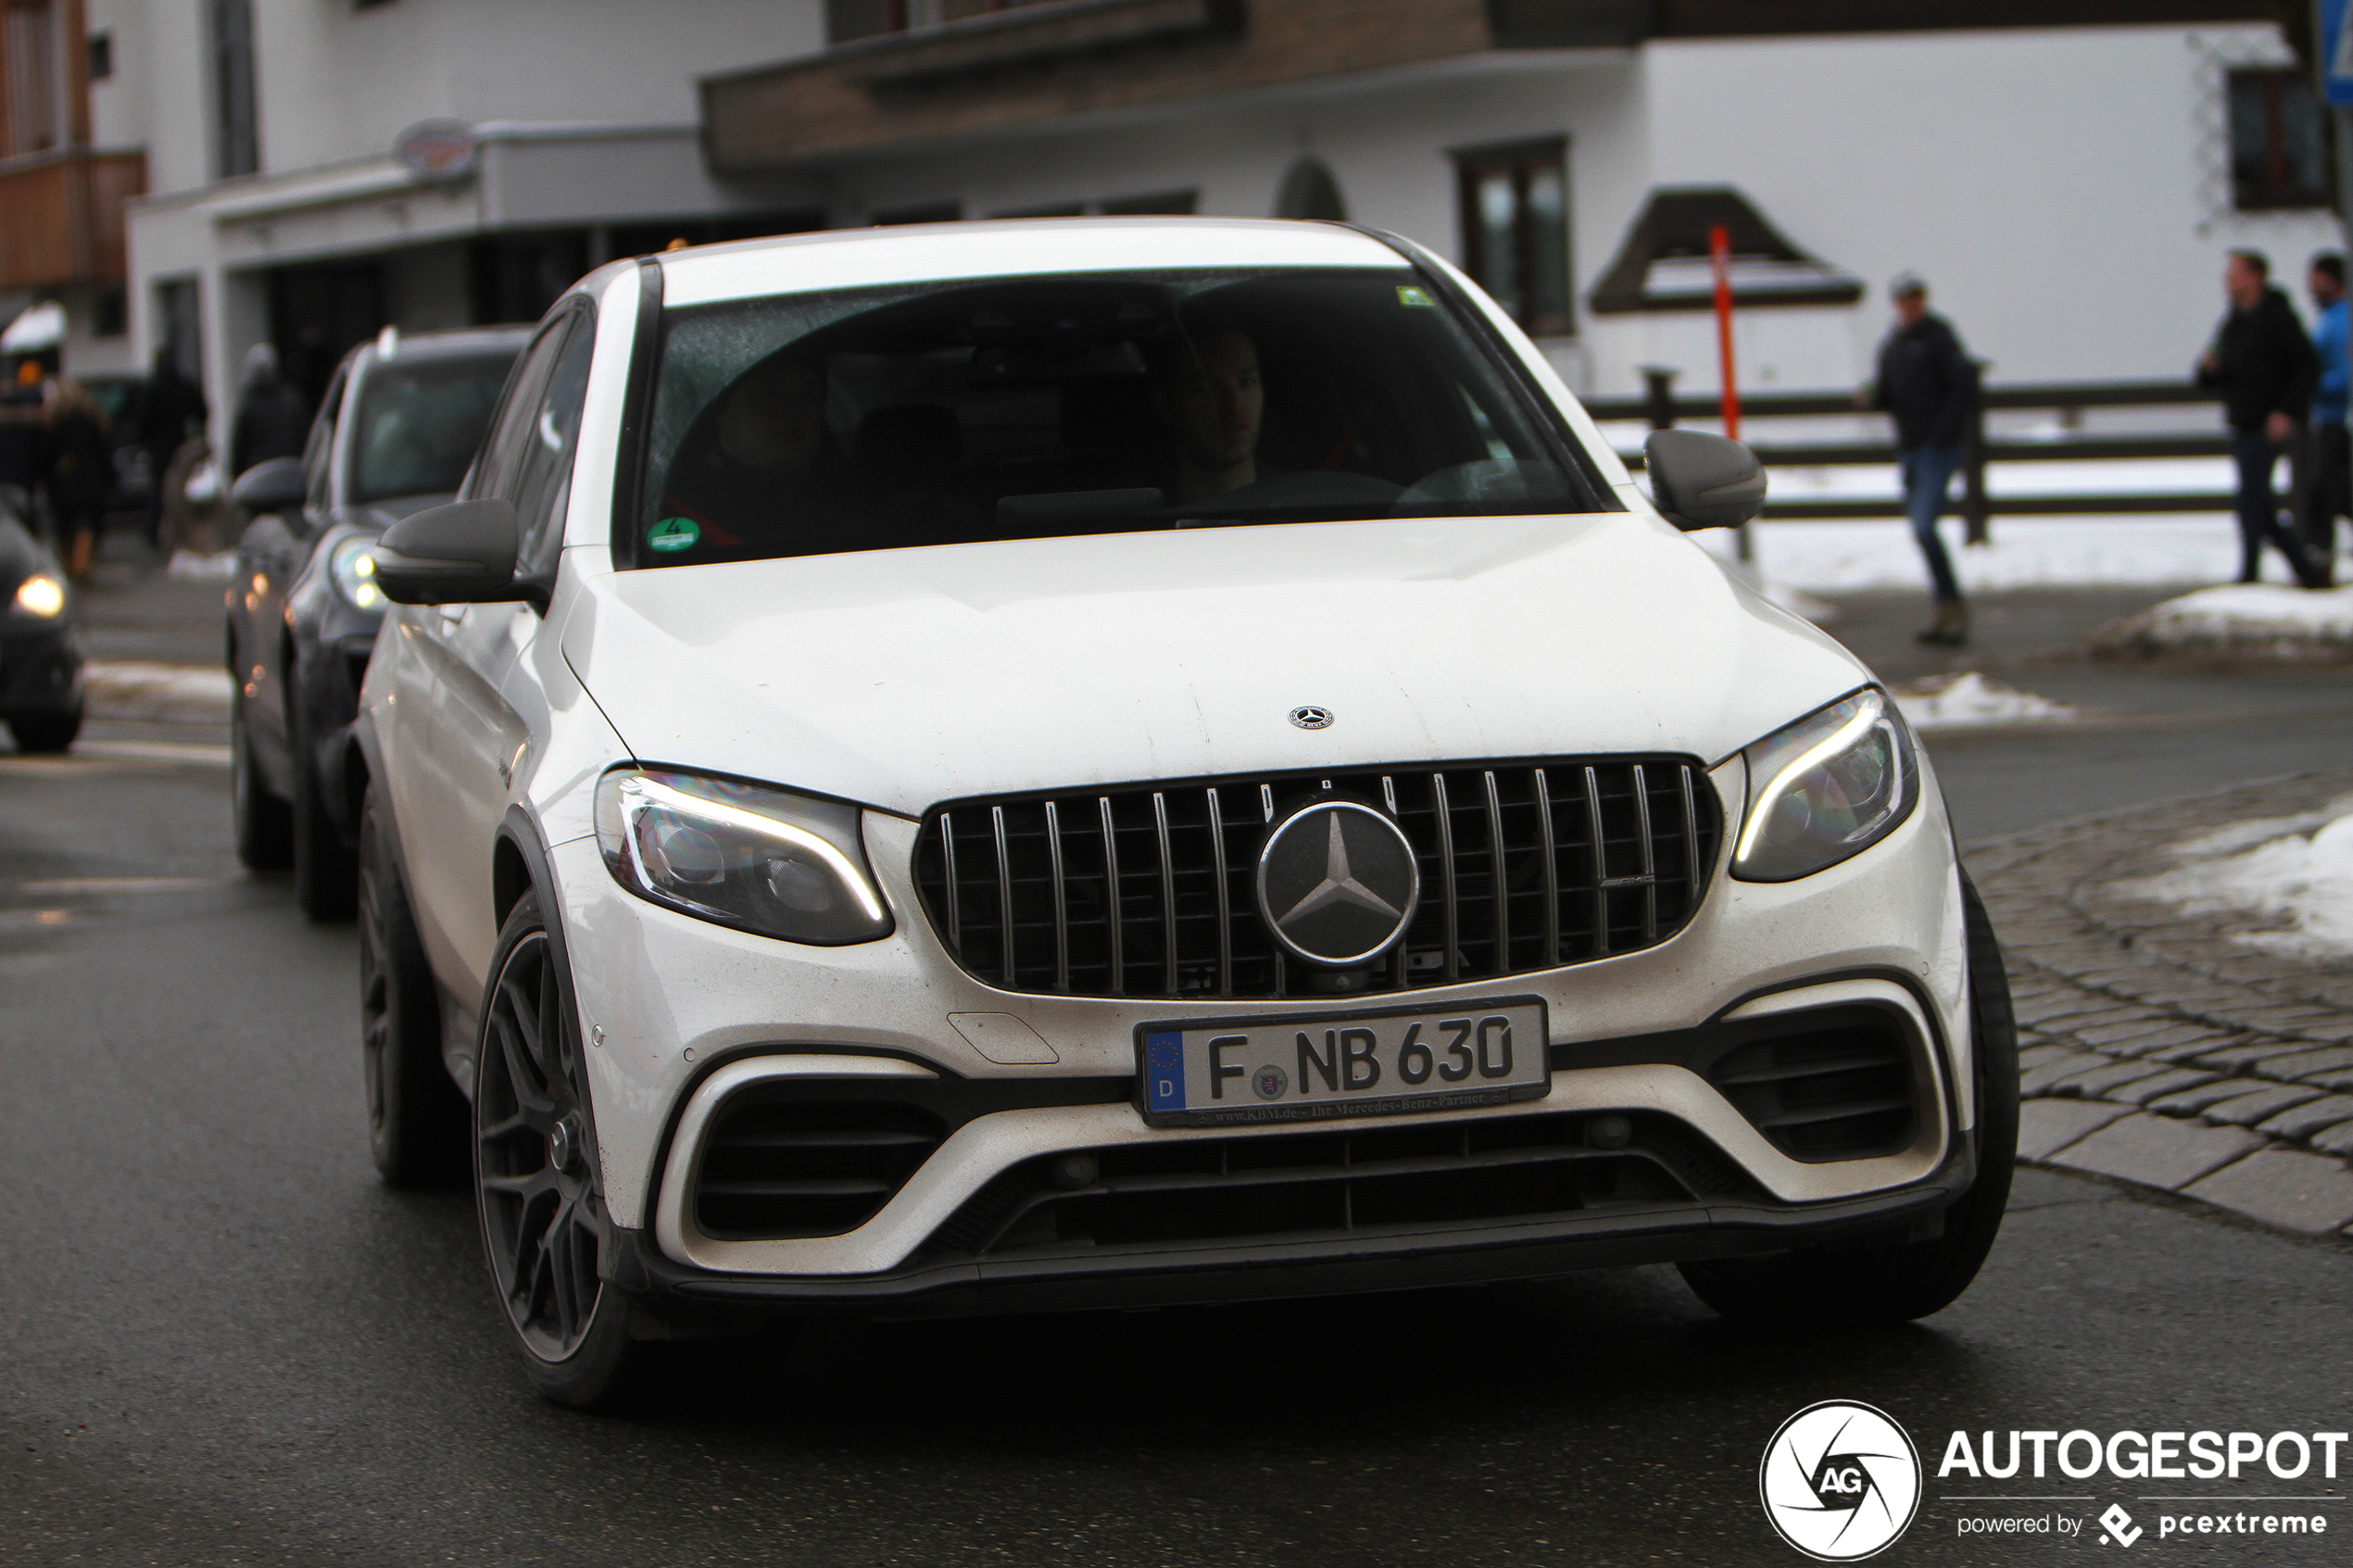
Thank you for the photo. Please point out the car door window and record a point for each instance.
(318, 456)
(542, 481)
(503, 448)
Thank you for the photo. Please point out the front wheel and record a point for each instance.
(46, 732)
(536, 1187)
(1885, 1285)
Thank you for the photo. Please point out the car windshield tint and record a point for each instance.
(813, 424)
(419, 423)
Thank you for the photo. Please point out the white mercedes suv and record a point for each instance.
(1052, 764)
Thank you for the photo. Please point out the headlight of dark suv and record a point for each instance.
(1826, 788)
(749, 856)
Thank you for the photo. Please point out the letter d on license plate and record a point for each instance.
(1309, 1066)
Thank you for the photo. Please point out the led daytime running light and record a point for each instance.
(655, 792)
(1867, 716)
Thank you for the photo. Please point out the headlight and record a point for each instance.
(1827, 787)
(353, 567)
(760, 859)
(43, 595)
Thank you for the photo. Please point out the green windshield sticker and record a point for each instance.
(674, 533)
(1415, 299)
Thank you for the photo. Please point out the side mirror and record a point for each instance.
(1702, 481)
(277, 485)
(463, 552)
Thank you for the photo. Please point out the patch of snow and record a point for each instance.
(2025, 552)
(131, 688)
(2253, 619)
(189, 563)
(1951, 702)
(2303, 879)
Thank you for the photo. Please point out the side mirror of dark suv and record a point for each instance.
(1702, 481)
(276, 485)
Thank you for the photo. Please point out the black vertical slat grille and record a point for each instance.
(1147, 890)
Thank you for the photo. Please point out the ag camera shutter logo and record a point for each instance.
(1840, 1481)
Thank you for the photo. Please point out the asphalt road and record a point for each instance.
(222, 1342)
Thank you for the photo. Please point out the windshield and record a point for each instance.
(812, 424)
(419, 423)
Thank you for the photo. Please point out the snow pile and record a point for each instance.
(2296, 872)
(1839, 557)
(139, 689)
(1951, 702)
(189, 563)
(2253, 620)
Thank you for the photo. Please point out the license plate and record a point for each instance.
(1318, 1067)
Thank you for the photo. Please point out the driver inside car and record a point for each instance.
(765, 477)
(1208, 394)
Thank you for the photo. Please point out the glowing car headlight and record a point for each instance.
(353, 568)
(1827, 787)
(43, 595)
(755, 857)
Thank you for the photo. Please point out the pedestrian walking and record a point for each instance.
(1930, 386)
(2266, 369)
(2328, 493)
(173, 410)
(273, 418)
(77, 470)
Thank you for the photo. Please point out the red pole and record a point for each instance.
(1719, 251)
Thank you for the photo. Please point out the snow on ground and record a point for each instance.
(189, 563)
(2026, 552)
(131, 688)
(1949, 702)
(2257, 619)
(2294, 871)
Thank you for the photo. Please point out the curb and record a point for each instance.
(2154, 1047)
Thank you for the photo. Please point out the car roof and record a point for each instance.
(457, 343)
(835, 258)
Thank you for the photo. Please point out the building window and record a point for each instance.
(28, 49)
(1515, 217)
(101, 55)
(236, 122)
(2279, 142)
(848, 19)
(110, 312)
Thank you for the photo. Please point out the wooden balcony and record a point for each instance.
(1047, 60)
(61, 217)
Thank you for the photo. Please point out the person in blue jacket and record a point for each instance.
(2329, 496)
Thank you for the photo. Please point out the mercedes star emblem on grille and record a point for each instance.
(1312, 717)
(1338, 882)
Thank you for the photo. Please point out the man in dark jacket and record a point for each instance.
(173, 410)
(2266, 369)
(1930, 386)
(273, 418)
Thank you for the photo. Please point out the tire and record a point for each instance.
(326, 870)
(417, 1120)
(1889, 1285)
(537, 1188)
(46, 732)
(264, 825)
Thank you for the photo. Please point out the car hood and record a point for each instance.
(902, 678)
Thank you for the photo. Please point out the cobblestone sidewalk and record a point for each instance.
(2156, 1048)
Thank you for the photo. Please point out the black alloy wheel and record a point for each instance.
(264, 826)
(1815, 1288)
(417, 1119)
(326, 872)
(536, 1177)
